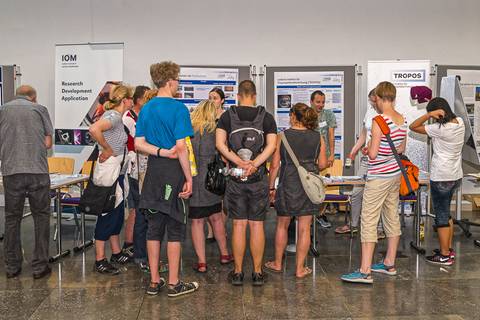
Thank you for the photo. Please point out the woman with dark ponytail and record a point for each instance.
(289, 198)
(447, 132)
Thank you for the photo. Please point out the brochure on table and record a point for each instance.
(294, 87)
(84, 74)
(405, 74)
(196, 83)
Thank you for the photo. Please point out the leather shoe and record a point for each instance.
(42, 274)
(14, 274)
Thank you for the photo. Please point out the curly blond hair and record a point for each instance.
(162, 72)
(150, 94)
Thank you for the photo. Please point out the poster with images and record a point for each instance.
(294, 87)
(405, 74)
(196, 83)
(84, 75)
(470, 87)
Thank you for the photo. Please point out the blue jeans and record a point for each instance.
(442, 193)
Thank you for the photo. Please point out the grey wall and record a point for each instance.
(226, 32)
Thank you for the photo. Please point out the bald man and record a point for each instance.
(25, 135)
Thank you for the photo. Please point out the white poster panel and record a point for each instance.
(470, 87)
(405, 74)
(196, 83)
(84, 74)
(294, 87)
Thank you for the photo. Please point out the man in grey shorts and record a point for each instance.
(25, 135)
(246, 135)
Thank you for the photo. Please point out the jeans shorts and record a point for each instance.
(442, 193)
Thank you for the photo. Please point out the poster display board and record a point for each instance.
(293, 87)
(84, 74)
(1, 85)
(405, 74)
(197, 81)
(469, 81)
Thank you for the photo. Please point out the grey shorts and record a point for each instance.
(159, 223)
(247, 201)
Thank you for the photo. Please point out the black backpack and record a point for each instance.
(247, 138)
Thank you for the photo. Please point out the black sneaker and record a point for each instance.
(128, 250)
(182, 288)
(323, 221)
(39, 275)
(105, 267)
(440, 259)
(258, 279)
(154, 287)
(144, 266)
(14, 274)
(451, 253)
(120, 258)
(236, 278)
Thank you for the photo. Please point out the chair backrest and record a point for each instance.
(61, 165)
(87, 167)
(335, 170)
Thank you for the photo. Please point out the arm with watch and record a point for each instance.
(146, 148)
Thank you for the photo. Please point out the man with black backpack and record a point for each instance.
(246, 136)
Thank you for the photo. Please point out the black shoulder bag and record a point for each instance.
(95, 199)
(215, 180)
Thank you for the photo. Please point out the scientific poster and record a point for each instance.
(84, 74)
(196, 83)
(470, 87)
(405, 74)
(294, 87)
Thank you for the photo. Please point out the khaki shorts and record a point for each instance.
(380, 197)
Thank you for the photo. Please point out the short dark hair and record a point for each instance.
(316, 92)
(247, 88)
(218, 91)
(139, 92)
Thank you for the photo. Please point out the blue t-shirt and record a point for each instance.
(163, 121)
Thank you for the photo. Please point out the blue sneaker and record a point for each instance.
(382, 268)
(357, 277)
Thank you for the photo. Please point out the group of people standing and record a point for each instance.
(149, 131)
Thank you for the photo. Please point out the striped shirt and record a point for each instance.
(385, 165)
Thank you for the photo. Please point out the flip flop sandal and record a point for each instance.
(266, 266)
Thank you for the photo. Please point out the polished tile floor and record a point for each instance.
(420, 291)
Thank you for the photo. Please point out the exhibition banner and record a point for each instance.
(405, 74)
(470, 87)
(294, 87)
(196, 82)
(84, 74)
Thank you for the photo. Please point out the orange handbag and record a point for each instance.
(409, 181)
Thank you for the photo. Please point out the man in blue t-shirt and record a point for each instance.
(162, 127)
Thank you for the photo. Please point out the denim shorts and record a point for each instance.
(442, 193)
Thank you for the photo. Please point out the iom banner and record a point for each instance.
(84, 74)
(405, 74)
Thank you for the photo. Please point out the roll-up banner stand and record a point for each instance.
(84, 74)
(405, 74)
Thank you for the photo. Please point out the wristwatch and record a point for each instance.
(158, 152)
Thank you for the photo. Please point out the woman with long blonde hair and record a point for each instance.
(204, 204)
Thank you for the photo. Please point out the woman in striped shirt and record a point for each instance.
(381, 189)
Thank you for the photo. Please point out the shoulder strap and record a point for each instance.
(289, 149)
(386, 131)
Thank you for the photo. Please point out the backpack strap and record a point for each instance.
(386, 131)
